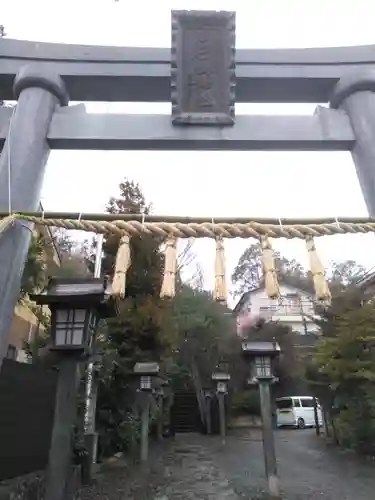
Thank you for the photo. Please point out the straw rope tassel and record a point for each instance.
(168, 288)
(317, 271)
(221, 290)
(123, 260)
(6, 222)
(270, 275)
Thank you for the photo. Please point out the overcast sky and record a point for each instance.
(280, 184)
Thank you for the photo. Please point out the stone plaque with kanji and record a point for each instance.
(203, 67)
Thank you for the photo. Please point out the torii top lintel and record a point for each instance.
(95, 73)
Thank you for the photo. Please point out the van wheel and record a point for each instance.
(301, 423)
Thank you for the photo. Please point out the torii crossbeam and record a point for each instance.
(94, 73)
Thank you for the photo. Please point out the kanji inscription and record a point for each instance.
(203, 67)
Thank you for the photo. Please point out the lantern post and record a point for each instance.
(75, 306)
(208, 395)
(145, 373)
(91, 391)
(221, 380)
(261, 355)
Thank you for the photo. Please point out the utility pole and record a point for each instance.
(316, 417)
(303, 316)
(90, 434)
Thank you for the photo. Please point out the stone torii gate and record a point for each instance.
(203, 76)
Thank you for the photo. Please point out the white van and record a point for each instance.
(297, 411)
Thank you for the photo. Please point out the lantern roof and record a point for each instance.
(146, 368)
(261, 348)
(82, 292)
(220, 376)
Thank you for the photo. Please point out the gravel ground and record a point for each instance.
(195, 467)
(309, 468)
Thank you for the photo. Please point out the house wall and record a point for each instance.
(25, 325)
(296, 312)
(24, 328)
(369, 290)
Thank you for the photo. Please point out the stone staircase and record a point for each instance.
(185, 416)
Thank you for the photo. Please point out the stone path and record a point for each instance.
(182, 470)
(195, 467)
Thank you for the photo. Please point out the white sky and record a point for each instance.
(280, 184)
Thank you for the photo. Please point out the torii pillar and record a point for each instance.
(355, 94)
(22, 165)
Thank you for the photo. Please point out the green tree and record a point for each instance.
(147, 262)
(203, 327)
(343, 302)
(142, 331)
(38, 265)
(205, 342)
(343, 274)
(74, 255)
(343, 368)
(34, 274)
(248, 274)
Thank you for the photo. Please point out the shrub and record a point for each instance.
(246, 403)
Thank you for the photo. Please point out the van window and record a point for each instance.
(297, 403)
(307, 403)
(283, 404)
